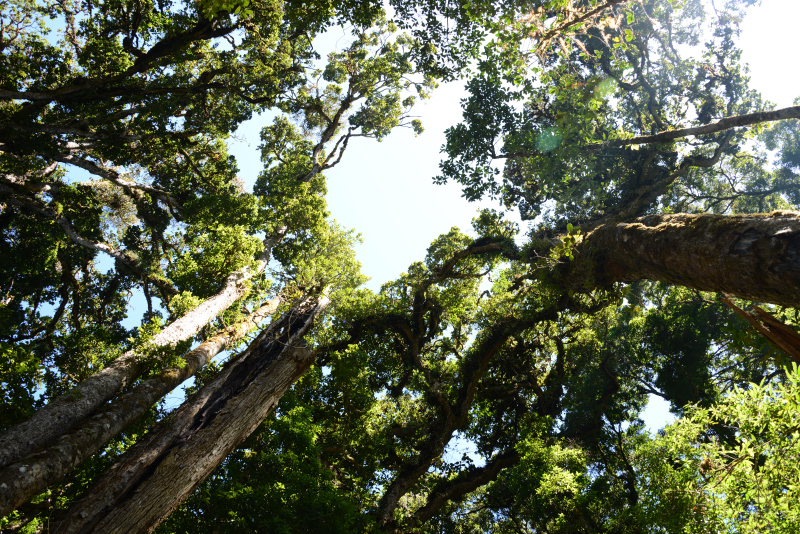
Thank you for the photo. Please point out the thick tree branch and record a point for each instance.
(203, 30)
(775, 331)
(754, 257)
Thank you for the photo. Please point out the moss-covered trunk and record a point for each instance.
(755, 257)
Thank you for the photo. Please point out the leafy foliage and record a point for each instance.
(744, 484)
(496, 385)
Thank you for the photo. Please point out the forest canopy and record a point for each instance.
(497, 385)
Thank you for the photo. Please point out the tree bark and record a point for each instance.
(161, 471)
(777, 333)
(754, 257)
(62, 413)
(25, 478)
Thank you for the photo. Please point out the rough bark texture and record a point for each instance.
(25, 478)
(755, 257)
(160, 471)
(777, 333)
(62, 413)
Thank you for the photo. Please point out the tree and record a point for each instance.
(184, 232)
(539, 373)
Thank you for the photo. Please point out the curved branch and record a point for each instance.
(114, 177)
(455, 489)
(119, 255)
(203, 30)
(727, 123)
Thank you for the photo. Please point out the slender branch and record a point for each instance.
(114, 177)
(55, 129)
(456, 488)
(560, 30)
(636, 204)
(727, 123)
(485, 349)
(343, 140)
(327, 135)
(119, 255)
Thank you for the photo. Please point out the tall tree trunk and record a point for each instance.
(28, 476)
(62, 413)
(754, 257)
(161, 470)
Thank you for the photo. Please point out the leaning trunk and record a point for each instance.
(162, 470)
(62, 413)
(23, 479)
(754, 257)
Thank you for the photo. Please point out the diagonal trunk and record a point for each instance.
(62, 413)
(777, 333)
(23, 479)
(754, 257)
(160, 471)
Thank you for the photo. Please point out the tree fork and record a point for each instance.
(158, 473)
(754, 257)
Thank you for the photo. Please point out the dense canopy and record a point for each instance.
(496, 385)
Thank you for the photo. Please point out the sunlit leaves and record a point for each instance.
(749, 483)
